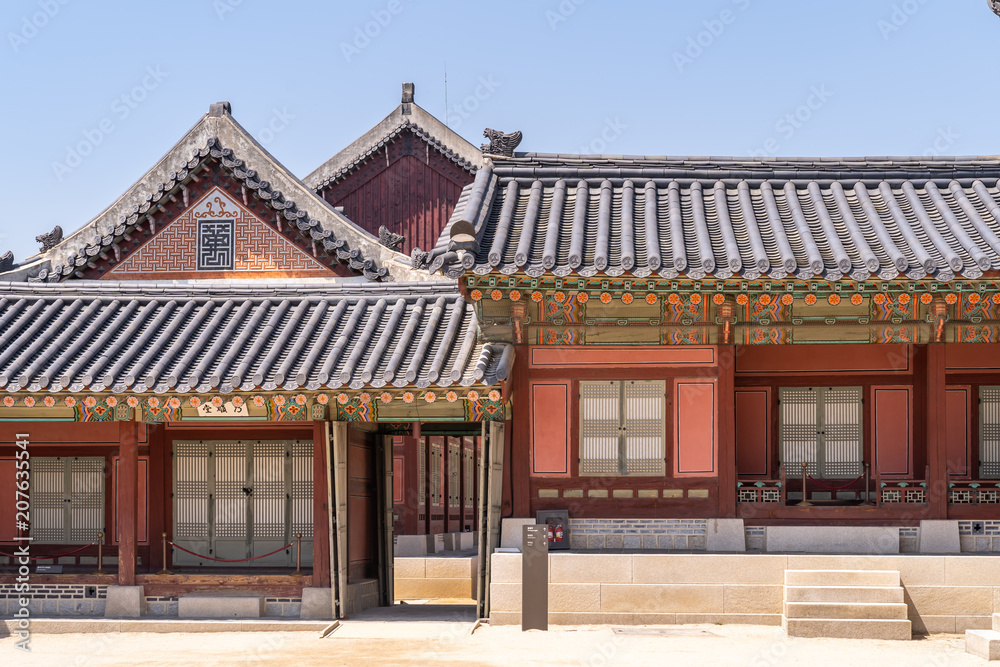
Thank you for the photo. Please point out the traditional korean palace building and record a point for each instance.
(236, 380)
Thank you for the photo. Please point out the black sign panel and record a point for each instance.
(535, 578)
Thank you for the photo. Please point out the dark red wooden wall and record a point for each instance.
(408, 186)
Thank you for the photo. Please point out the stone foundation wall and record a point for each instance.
(660, 534)
(55, 599)
(944, 594)
(362, 595)
(435, 578)
(976, 536)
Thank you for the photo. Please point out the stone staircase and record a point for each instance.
(852, 604)
(984, 643)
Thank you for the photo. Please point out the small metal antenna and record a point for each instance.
(446, 121)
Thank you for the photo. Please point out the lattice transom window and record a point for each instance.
(821, 426)
(622, 428)
(67, 499)
(989, 432)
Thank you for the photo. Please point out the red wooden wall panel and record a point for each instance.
(397, 479)
(695, 433)
(619, 357)
(753, 431)
(361, 506)
(823, 358)
(8, 510)
(404, 186)
(550, 428)
(892, 429)
(972, 357)
(958, 401)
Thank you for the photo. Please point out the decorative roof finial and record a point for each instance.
(220, 109)
(500, 143)
(408, 90)
(6, 261)
(995, 6)
(390, 240)
(51, 239)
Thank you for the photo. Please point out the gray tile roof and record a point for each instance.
(827, 218)
(240, 336)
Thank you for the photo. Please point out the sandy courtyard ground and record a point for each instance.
(429, 643)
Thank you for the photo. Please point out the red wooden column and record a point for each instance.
(128, 496)
(517, 462)
(158, 494)
(321, 510)
(936, 429)
(727, 431)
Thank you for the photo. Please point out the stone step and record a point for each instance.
(984, 644)
(846, 610)
(847, 628)
(841, 578)
(220, 606)
(843, 594)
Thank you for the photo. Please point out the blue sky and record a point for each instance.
(712, 77)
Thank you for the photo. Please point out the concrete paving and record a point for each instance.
(423, 636)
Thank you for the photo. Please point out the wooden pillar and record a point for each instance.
(727, 431)
(321, 522)
(159, 495)
(936, 429)
(128, 496)
(339, 458)
(491, 482)
(520, 438)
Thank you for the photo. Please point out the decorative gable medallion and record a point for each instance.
(216, 237)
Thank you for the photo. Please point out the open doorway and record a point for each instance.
(413, 507)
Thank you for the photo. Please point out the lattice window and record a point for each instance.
(191, 490)
(243, 490)
(302, 489)
(915, 495)
(437, 459)
(989, 496)
(67, 499)
(821, 426)
(229, 517)
(622, 428)
(748, 495)
(270, 490)
(989, 432)
(454, 474)
(892, 495)
(421, 471)
(469, 468)
(216, 245)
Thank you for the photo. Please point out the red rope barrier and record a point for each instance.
(235, 560)
(837, 488)
(70, 553)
